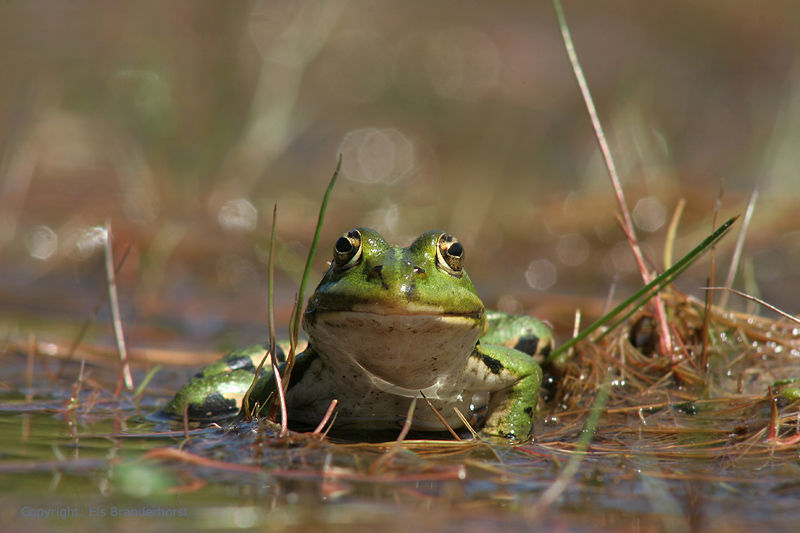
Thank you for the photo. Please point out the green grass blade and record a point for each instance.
(143, 385)
(648, 291)
(294, 330)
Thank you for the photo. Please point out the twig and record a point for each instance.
(407, 424)
(440, 417)
(465, 422)
(113, 302)
(325, 418)
(753, 298)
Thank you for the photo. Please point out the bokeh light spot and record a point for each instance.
(649, 214)
(238, 216)
(572, 249)
(371, 155)
(42, 242)
(541, 274)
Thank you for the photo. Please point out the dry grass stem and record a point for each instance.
(440, 417)
(737, 251)
(324, 421)
(113, 301)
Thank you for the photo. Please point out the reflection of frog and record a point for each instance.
(386, 324)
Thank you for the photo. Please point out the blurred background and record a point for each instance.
(183, 123)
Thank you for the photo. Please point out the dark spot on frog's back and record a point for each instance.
(528, 344)
(493, 364)
(214, 406)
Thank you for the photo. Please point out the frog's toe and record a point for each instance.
(493, 437)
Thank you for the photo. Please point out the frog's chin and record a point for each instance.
(409, 351)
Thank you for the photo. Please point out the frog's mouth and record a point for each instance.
(407, 309)
(411, 350)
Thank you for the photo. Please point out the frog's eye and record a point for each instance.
(347, 250)
(450, 254)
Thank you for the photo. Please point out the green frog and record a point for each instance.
(385, 325)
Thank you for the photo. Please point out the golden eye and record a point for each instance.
(347, 250)
(450, 254)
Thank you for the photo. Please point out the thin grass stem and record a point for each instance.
(271, 311)
(89, 319)
(113, 302)
(672, 231)
(271, 320)
(737, 251)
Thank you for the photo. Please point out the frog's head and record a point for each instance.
(370, 276)
(407, 315)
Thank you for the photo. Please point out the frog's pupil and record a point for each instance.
(456, 249)
(343, 245)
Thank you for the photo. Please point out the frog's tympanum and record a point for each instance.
(388, 324)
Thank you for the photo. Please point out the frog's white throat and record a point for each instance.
(409, 351)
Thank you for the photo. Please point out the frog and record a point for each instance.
(387, 326)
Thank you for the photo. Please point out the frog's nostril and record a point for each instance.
(419, 270)
(375, 272)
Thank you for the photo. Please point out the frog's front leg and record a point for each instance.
(512, 378)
